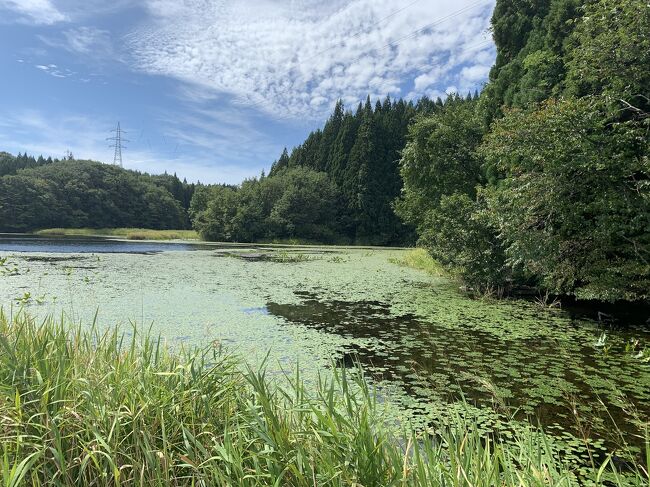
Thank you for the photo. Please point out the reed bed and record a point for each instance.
(85, 406)
(420, 259)
(128, 233)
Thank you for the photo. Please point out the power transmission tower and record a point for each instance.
(117, 140)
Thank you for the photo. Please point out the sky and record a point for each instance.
(213, 90)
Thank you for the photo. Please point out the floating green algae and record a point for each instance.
(418, 338)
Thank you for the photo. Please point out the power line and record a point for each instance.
(415, 33)
(117, 140)
(479, 46)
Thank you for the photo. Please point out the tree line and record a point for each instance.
(44, 193)
(338, 186)
(294, 203)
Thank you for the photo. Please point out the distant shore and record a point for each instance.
(128, 233)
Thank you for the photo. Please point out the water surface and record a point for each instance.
(417, 336)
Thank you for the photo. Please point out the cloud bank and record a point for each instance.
(41, 12)
(295, 59)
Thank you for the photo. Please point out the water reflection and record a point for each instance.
(87, 245)
(544, 378)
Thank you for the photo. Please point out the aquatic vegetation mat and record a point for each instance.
(421, 342)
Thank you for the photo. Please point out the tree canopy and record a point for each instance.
(360, 152)
(40, 193)
(549, 183)
(295, 202)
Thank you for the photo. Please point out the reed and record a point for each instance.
(129, 233)
(86, 406)
(421, 260)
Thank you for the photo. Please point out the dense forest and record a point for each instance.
(338, 186)
(545, 180)
(43, 193)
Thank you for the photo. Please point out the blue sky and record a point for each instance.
(214, 89)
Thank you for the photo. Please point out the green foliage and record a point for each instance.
(307, 207)
(11, 164)
(360, 153)
(419, 259)
(440, 158)
(294, 202)
(215, 220)
(441, 169)
(573, 202)
(573, 205)
(76, 194)
(27, 203)
(459, 235)
(611, 52)
(531, 39)
(85, 407)
(563, 190)
(549, 48)
(182, 191)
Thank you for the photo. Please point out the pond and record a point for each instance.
(418, 337)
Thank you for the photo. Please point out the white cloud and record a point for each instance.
(224, 135)
(80, 10)
(297, 58)
(34, 11)
(54, 70)
(36, 133)
(92, 43)
(85, 40)
(48, 12)
(475, 73)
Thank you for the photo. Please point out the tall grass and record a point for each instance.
(129, 233)
(80, 406)
(421, 260)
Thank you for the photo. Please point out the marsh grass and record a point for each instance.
(547, 302)
(287, 257)
(128, 233)
(82, 406)
(421, 260)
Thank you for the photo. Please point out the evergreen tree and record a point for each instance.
(370, 180)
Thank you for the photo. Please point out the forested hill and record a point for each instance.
(46, 193)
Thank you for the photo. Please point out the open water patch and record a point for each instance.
(88, 245)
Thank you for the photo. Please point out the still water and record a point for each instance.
(419, 339)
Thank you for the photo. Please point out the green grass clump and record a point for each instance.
(287, 257)
(129, 233)
(79, 406)
(421, 260)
